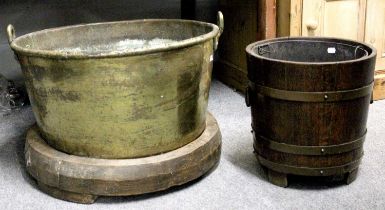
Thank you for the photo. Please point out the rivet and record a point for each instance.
(322, 150)
(321, 172)
(326, 97)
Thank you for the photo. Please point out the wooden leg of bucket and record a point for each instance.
(277, 178)
(351, 176)
(66, 195)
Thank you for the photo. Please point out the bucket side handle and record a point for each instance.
(221, 25)
(11, 33)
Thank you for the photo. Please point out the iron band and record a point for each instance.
(310, 150)
(306, 171)
(326, 96)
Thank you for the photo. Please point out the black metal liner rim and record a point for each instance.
(250, 49)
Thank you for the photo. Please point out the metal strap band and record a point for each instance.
(310, 150)
(312, 96)
(306, 171)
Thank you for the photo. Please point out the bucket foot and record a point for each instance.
(66, 195)
(351, 176)
(277, 178)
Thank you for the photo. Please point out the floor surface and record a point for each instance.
(237, 183)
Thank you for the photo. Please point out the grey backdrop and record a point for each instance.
(32, 15)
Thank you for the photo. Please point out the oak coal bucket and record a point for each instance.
(309, 100)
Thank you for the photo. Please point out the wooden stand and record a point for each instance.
(83, 179)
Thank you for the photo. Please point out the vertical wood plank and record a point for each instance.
(295, 17)
(375, 29)
(289, 17)
(283, 18)
(267, 27)
(361, 20)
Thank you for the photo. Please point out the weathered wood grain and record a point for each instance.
(79, 179)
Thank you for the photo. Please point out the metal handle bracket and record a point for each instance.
(221, 25)
(11, 33)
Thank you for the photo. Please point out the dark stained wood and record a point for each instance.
(231, 75)
(310, 123)
(267, 27)
(82, 179)
(277, 178)
(245, 22)
(352, 176)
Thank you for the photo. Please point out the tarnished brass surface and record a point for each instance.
(124, 104)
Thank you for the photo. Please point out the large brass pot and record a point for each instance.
(94, 97)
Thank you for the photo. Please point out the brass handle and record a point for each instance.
(12, 36)
(220, 22)
(11, 33)
(312, 25)
(221, 25)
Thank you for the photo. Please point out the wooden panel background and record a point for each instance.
(334, 18)
(245, 22)
(375, 29)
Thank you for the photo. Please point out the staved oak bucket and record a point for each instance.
(119, 89)
(309, 99)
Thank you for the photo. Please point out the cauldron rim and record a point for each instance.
(172, 46)
(250, 50)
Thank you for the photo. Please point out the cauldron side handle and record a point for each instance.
(12, 36)
(220, 22)
(221, 25)
(11, 33)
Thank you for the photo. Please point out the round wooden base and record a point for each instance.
(82, 179)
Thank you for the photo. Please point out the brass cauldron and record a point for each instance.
(119, 89)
